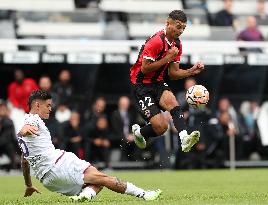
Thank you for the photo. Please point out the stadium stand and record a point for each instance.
(97, 41)
(40, 5)
(144, 6)
(240, 7)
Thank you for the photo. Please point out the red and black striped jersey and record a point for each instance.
(154, 49)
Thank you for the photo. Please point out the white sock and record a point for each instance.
(88, 191)
(182, 134)
(134, 191)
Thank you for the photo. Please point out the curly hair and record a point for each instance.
(38, 95)
(178, 15)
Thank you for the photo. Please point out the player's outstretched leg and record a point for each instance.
(99, 179)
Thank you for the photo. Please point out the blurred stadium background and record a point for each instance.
(82, 50)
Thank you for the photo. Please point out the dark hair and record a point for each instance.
(38, 95)
(178, 15)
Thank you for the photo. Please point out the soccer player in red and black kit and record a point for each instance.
(160, 56)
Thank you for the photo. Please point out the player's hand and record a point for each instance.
(28, 130)
(172, 53)
(130, 138)
(30, 190)
(197, 68)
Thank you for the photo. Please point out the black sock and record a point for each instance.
(148, 131)
(178, 119)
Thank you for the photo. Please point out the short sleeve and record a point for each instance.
(33, 120)
(178, 57)
(152, 48)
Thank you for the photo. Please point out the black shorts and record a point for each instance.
(147, 97)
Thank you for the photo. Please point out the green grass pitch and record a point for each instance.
(244, 186)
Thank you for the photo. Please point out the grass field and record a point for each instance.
(246, 186)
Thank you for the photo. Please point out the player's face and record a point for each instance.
(175, 28)
(45, 108)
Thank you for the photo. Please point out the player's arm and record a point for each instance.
(28, 130)
(176, 73)
(27, 178)
(149, 65)
(26, 172)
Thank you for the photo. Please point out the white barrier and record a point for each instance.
(201, 46)
(98, 51)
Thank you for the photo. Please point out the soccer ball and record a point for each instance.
(197, 96)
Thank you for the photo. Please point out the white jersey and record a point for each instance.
(38, 150)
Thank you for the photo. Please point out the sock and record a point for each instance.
(148, 131)
(134, 191)
(178, 119)
(88, 191)
(182, 134)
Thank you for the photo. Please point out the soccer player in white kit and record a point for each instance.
(61, 171)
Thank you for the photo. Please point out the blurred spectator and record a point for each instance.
(225, 16)
(72, 134)
(251, 33)
(20, 89)
(56, 131)
(219, 131)
(18, 93)
(100, 142)
(226, 130)
(262, 17)
(249, 111)
(121, 121)
(63, 88)
(115, 29)
(97, 109)
(63, 113)
(90, 119)
(8, 144)
(224, 105)
(46, 84)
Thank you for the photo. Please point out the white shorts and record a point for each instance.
(67, 176)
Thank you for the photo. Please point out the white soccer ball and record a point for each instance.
(197, 96)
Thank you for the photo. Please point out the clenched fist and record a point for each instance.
(172, 53)
(197, 68)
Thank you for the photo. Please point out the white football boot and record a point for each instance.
(82, 197)
(138, 138)
(187, 141)
(152, 195)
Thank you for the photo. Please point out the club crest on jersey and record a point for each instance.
(147, 113)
